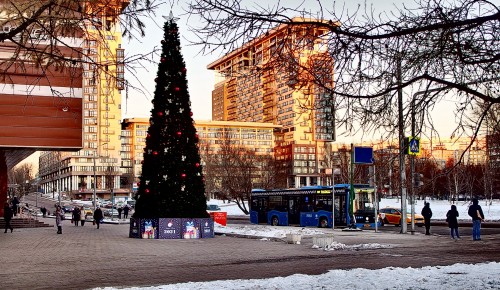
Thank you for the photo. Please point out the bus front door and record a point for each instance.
(340, 210)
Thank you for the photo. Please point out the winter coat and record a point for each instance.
(473, 209)
(82, 215)
(98, 214)
(426, 212)
(451, 218)
(76, 214)
(59, 214)
(7, 213)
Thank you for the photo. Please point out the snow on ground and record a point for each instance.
(458, 276)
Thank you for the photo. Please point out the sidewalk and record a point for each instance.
(86, 257)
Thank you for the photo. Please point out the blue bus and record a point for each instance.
(313, 206)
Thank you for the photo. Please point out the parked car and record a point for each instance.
(67, 208)
(88, 211)
(391, 215)
(110, 212)
(212, 207)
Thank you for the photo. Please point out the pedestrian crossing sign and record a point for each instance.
(413, 146)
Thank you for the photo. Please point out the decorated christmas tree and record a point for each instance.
(171, 184)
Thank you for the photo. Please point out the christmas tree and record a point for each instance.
(171, 183)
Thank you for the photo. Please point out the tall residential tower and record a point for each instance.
(282, 77)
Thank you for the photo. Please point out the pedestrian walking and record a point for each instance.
(427, 214)
(476, 213)
(7, 216)
(44, 211)
(15, 205)
(120, 212)
(98, 216)
(452, 219)
(83, 216)
(125, 211)
(76, 216)
(59, 218)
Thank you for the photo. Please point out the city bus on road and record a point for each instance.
(314, 206)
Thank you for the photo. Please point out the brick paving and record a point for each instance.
(85, 257)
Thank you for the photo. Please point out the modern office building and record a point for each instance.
(282, 77)
(94, 168)
(259, 137)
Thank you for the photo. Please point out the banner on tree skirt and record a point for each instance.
(219, 217)
(135, 228)
(170, 228)
(190, 228)
(207, 228)
(149, 228)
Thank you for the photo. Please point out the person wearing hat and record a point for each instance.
(476, 213)
(427, 214)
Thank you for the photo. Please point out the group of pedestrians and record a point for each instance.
(78, 216)
(475, 212)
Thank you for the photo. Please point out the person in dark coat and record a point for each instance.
(98, 216)
(427, 214)
(452, 219)
(15, 205)
(7, 216)
(120, 212)
(476, 213)
(44, 211)
(76, 216)
(125, 211)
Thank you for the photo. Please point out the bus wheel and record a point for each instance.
(323, 223)
(275, 221)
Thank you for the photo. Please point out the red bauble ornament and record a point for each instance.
(191, 114)
(146, 190)
(142, 161)
(160, 114)
(177, 89)
(163, 41)
(162, 59)
(179, 133)
(138, 184)
(155, 153)
(147, 136)
(197, 164)
(184, 70)
(196, 135)
(183, 175)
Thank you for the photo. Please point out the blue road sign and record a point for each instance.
(413, 145)
(363, 155)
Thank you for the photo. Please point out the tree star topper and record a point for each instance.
(170, 17)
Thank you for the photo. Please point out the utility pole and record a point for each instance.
(412, 169)
(402, 169)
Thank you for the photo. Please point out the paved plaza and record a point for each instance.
(86, 257)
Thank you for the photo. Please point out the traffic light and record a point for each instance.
(417, 179)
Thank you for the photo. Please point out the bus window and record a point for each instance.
(324, 203)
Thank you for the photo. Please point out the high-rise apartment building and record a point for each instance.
(282, 77)
(258, 137)
(97, 165)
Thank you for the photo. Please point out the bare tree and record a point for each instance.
(231, 171)
(44, 34)
(447, 48)
(22, 176)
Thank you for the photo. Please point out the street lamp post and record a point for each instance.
(95, 181)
